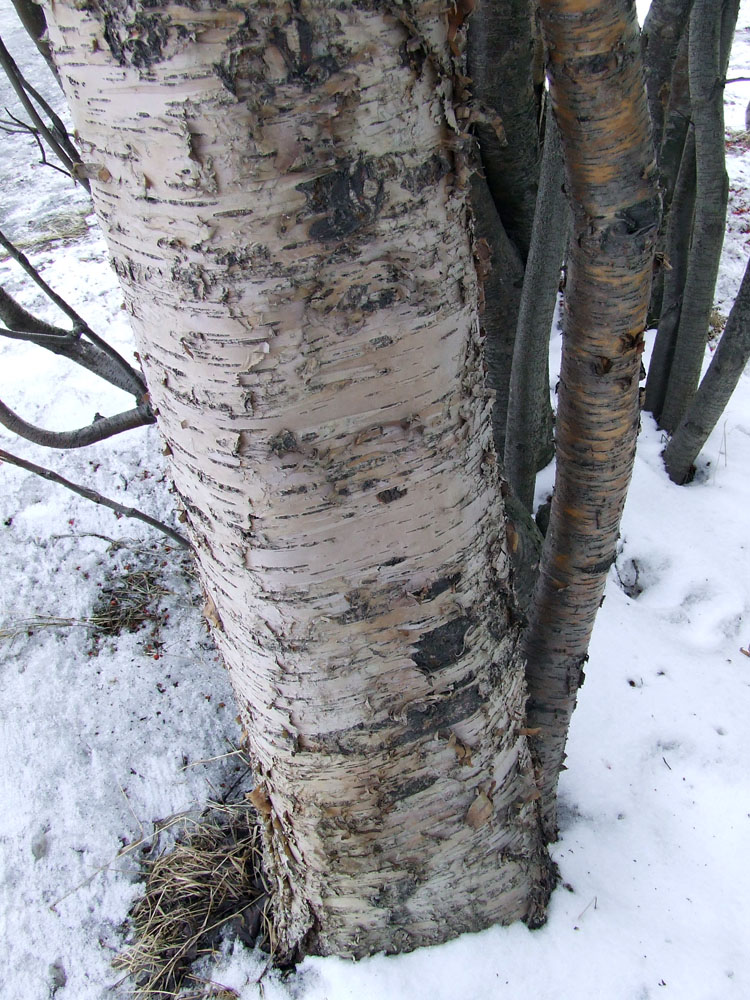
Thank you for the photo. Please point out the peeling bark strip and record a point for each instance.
(599, 102)
(277, 185)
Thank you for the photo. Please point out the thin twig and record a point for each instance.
(18, 127)
(41, 339)
(127, 849)
(67, 156)
(208, 760)
(79, 323)
(58, 127)
(89, 494)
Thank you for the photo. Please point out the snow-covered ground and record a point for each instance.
(102, 738)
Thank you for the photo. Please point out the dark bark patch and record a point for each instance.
(283, 443)
(442, 646)
(642, 217)
(394, 561)
(427, 718)
(347, 199)
(388, 496)
(135, 38)
(439, 587)
(428, 174)
(379, 342)
(417, 720)
(298, 57)
(413, 55)
(360, 607)
(362, 298)
(396, 893)
(414, 786)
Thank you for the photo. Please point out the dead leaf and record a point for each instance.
(259, 798)
(480, 811)
(461, 750)
(211, 614)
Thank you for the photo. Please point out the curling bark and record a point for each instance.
(283, 190)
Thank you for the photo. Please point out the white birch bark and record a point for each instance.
(281, 188)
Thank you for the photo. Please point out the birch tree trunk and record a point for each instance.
(282, 188)
(599, 102)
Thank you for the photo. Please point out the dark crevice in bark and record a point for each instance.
(669, 154)
(660, 39)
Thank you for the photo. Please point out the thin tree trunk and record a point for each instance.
(599, 102)
(677, 251)
(501, 66)
(673, 129)
(670, 150)
(663, 28)
(707, 69)
(31, 16)
(500, 273)
(718, 384)
(276, 186)
(529, 384)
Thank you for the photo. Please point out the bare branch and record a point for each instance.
(97, 431)
(58, 126)
(22, 325)
(14, 316)
(80, 324)
(62, 147)
(92, 495)
(32, 18)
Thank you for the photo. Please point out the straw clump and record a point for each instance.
(208, 885)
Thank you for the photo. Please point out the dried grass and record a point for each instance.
(716, 323)
(210, 881)
(128, 604)
(124, 606)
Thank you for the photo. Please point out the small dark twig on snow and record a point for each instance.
(89, 494)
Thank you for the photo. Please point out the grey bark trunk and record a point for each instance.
(677, 253)
(529, 386)
(670, 126)
(718, 384)
(663, 28)
(707, 61)
(501, 66)
(500, 273)
(281, 190)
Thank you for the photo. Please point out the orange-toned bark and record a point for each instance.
(599, 101)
